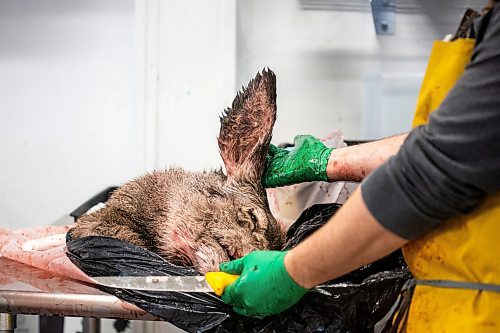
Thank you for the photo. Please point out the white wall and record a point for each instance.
(68, 119)
(94, 93)
(322, 59)
(196, 75)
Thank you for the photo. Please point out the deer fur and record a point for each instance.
(201, 219)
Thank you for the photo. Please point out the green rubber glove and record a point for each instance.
(264, 287)
(305, 162)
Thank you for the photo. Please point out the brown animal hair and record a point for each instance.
(201, 219)
(246, 128)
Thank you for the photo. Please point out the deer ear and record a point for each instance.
(246, 129)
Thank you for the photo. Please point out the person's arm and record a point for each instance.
(354, 163)
(442, 170)
(310, 160)
(447, 166)
(350, 239)
(272, 281)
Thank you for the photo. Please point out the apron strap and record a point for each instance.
(459, 285)
(397, 316)
(395, 319)
(466, 27)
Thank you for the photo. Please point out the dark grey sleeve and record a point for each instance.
(445, 167)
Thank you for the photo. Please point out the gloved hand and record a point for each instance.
(264, 287)
(305, 162)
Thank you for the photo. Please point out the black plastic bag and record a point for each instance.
(351, 303)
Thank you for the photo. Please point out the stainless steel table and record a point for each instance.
(29, 290)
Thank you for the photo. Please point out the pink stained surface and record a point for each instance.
(53, 259)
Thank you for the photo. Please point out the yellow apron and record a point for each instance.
(464, 249)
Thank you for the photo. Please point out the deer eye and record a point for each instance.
(254, 219)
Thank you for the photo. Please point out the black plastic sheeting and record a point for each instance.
(351, 303)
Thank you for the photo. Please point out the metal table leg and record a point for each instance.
(52, 324)
(7, 323)
(90, 325)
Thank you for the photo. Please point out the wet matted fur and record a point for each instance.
(203, 218)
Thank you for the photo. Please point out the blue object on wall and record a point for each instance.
(384, 16)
